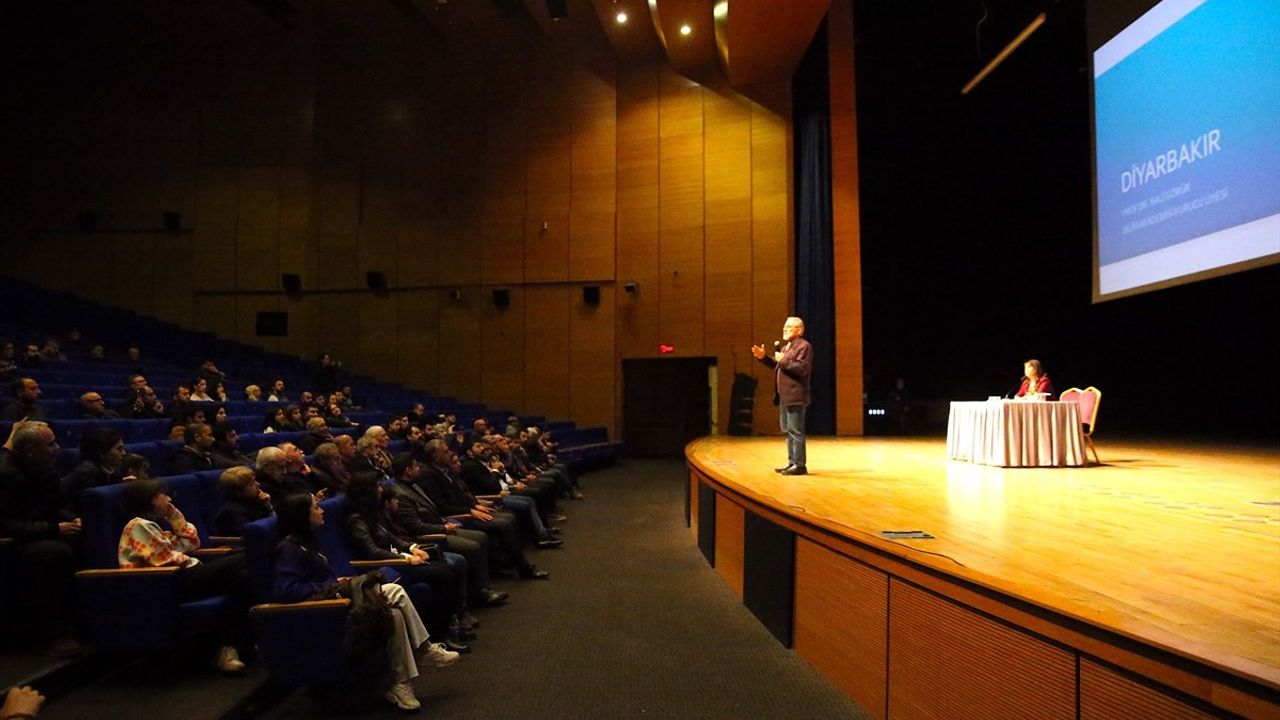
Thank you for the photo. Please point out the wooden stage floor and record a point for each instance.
(1174, 545)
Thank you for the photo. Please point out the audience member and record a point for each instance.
(135, 467)
(200, 391)
(210, 373)
(142, 404)
(253, 393)
(317, 433)
(277, 392)
(420, 517)
(327, 470)
(272, 474)
(293, 419)
(31, 357)
(326, 376)
(93, 407)
(133, 359)
(302, 573)
(373, 537)
(26, 394)
(43, 533)
(194, 455)
(97, 354)
(275, 421)
(21, 703)
(336, 418)
(243, 501)
(101, 454)
(483, 476)
(452, 497)
(52, 351)
(143, 544)
(226, 447)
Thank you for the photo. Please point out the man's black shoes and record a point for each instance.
(794, 470)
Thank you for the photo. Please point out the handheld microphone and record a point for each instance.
(777, 346)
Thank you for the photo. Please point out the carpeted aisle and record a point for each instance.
(632, 624)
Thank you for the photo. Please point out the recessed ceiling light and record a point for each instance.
(622, 18)
(685, 29)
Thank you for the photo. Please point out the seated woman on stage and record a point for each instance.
(1035, 380)
(302, 573)
(144, 543)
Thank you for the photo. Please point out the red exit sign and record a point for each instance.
(666, 349)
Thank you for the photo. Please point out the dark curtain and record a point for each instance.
(815, 277)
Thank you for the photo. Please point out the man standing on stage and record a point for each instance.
(793, 363)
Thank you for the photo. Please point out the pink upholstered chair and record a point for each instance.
(1088, 399)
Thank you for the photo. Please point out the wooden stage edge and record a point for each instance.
(1150, 580)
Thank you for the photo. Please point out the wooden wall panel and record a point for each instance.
(773, 297)
(503, 351)
(592, 373)
(693, 503)
(988, 671)
(730, 523)
(841, 622)
(637, 215)
(1104, 694)
(680, 216)
(727, 209)
(846, 225)
(317, 156)
(546, 365)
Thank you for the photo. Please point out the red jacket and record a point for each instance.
(1042, 386)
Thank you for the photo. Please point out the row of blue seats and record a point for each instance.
(140, 610)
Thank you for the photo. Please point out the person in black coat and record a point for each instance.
(194, 455)
(419, 516)
(243, 501)
(93, 407)
(43, 533)
(226, 448)
(369, 523)
(101, 455)
(447, 490)
(26, 396)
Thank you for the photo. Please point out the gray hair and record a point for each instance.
(315, 422)
(269, 455)
(364, 442)
(28, 435)
(371, 431)
(326, 452)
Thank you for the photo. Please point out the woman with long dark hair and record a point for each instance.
(371, 525)
(303, 573)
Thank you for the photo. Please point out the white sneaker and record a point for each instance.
(401, 695)
(229, 660)
(437, 655)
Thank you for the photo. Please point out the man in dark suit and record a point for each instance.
(792, 363)
(417, 513)
(446, 489)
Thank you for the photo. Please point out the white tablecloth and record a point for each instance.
(1016, 434)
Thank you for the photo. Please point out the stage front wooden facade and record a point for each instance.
(1147, 586)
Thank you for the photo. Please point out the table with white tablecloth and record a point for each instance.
(1016, 434)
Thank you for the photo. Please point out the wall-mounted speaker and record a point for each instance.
(591, 294)
(376, 280)
(502, 298)
(87, 221)
(273, 324)
(172, 221)
(631, 288)
(291, 283)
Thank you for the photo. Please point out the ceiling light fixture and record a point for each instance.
(685, 30)
(622, 18)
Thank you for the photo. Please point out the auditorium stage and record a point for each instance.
(1163, 563)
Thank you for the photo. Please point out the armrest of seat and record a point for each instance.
(490, 498)
(457, 517)
(433, 537)
(212, 552)
(5, 541)
(298, 607)
(374, 564)
(232, 540)
(109, 573)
